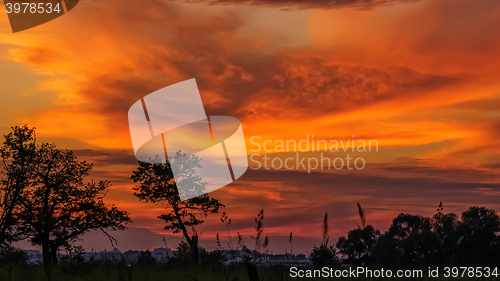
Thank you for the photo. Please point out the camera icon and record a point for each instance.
(172, 121)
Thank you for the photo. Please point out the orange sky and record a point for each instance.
(420, 77)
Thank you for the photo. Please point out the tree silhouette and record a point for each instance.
(478, 231)
(445, 228)
(357, 246)
(56, 205)
(410, 240)
(156, 184)
(17, 154)
(442, 239)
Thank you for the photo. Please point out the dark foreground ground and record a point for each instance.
(159, 273)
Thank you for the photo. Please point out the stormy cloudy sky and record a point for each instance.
(420, 77)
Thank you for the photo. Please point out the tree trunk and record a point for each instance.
(194, 248)
(192, 241)
(47, 258)
(47, 261)
(53, 254)
(181, 223)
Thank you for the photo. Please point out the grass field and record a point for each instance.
(160, 273)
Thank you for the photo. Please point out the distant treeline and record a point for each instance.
(414, 240)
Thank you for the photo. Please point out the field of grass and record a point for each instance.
(160, 273)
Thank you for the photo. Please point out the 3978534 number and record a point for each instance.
(465, 271)
(32, 8)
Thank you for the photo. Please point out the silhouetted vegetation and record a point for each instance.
(356, 247)
(156, 184)
(146, 258)
(74, 261)
(44, 197)
(10, 255)
(324, 255)
(417, 241)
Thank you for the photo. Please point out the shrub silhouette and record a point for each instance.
(145, 258)
(10, 255)
(183, 255)
(74, 261)
(324, 255)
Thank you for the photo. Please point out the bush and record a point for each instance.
(216, 257)
(183, 255)
(12, 255)
(146, 258)
(74, 261)
(324, 255)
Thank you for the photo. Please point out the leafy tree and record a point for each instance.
(215, 257)
(358, 244)
(405, 224)
(445, 228)
(440, 240)
(56, 205)
(474, 240)
(17, 154)
(478, 231)
(410, 240)
(12, 255)
(156, 184)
